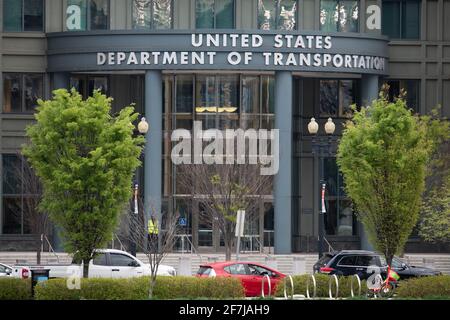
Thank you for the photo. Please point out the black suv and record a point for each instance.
(349, 262)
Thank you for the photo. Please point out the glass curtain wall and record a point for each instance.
(219, 101)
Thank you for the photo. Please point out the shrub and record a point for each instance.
(322, 283)
(55, 289)
(15, 289)
(424, 287)
(137, 289)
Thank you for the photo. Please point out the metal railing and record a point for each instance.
(122, 247)
(330, 248)
(50, 248)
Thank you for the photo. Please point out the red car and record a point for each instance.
(250, 274)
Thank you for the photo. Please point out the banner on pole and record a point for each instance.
(240, 220)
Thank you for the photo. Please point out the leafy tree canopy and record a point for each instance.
(383, 155)
(85, 158)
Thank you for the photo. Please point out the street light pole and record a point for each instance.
(143, 129)
(320, 145)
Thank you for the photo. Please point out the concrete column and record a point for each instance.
(369, 89)
(283, 183)
(369, 92)
(153, 147)
(61, 80)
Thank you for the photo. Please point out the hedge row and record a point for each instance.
(14, 289)
(436, 286)
(322, 286)
(137, 289)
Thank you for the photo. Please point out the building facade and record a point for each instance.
(259, 64)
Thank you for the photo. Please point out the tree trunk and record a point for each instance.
(38, 252)
(228, 253)
(152, 286)
(389, 257)
(85, 268)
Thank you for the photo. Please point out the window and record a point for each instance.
(339, 217)
(277, 14)
(238, 268)
(152, 14)
(23, 15)
(85, 85)
(401, 19)
(339, 15)
(260, 271)
(21, 91)
(336, 97)
(87, 15)
(217, 94)
(121, 260)
(214, 14)
(412, 88)
(21, 194)
(347, 261)
(100, 260)
(366, 261)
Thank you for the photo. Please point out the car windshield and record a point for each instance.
(325, 259)
(206, 271)
(396, 263)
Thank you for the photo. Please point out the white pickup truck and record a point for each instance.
(108, 263)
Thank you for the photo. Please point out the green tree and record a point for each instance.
(435, 219)
(86, 159)
(383, 155)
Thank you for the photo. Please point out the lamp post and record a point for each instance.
(143, 129)
(320, 146)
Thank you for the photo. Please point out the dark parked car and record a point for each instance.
(406, 271)
(349, 262)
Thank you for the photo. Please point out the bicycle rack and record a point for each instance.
(262, 286)
(308, 283)
(352, 292)
(330, 285)
(285, 287)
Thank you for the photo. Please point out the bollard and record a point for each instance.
(330, 284)
(352, 292)
(308, 283)
(262, 286)
(292, 287)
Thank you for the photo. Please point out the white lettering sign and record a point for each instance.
(373, 17)
(297, 53)
(73, 21)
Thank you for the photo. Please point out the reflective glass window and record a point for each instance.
(412, 88)
(152, 14)
(21, 91)
(401, 19)
(218, 14)
(277, 14)
(23, 15)
(87, 15)
(339, 15)
(184, 93)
